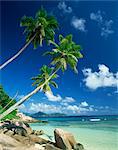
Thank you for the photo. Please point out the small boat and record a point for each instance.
(97, 119)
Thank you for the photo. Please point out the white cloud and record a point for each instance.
(51, 108)
(35, 107)
(68, 100)
(96, 17)
(105, 25)
(106, 29)
(102, 78)
(73, 108)
(76, 109)
(52, 97)
(84, 104)
(78, 23)
(62, 6)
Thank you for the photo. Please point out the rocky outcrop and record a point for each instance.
(79, 147)
(37, 139)
(66, 141)
(19, 136)
(6, 140)
(28, 119)
(39, 132)
(61, 140)
(52, 147)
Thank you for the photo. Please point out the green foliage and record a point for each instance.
(66, 52)
(4, 100)
(42, 26)
(45, 73)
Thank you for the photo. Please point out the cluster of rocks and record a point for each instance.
(25, 118)
(19, 136)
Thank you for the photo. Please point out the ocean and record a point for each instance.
(94, 132)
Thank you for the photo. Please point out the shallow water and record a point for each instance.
(98, 135)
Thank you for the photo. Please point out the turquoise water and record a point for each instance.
(100, 134)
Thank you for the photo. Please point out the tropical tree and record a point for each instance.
(5, 103)
(66, 52)
(43, 77)
(5, 99)
(41, 27)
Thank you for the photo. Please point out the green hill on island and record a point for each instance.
(42, 114)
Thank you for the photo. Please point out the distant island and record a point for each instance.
(42, 114)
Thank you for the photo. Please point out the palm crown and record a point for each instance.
(66, 52)
(43, 25)
(43, 77)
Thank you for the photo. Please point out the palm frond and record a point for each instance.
(26, 21)
(69, 38)
(52, 42)
(41, 13)
(48, 53)
(60, 38)
(63, 64)
(53, 84)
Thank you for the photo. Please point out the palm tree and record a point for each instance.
(66, 52)
(42, 82)
(43, 77)
(37, 29)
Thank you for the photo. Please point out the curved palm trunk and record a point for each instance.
(17, 54)
(15, 106)
(9, 102)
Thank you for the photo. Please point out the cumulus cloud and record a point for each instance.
(102, 78)
(57, 98)
(96, 17)
(68, 100)
(35, 107)
(78, 23)
(105, 25)
(76, 109)
(62, 6)
(51, 108)
(84, 104)
(52, 97)
(106, 29)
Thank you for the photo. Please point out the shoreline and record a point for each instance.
(92, 135)
(22, 136)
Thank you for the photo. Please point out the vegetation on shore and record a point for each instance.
(5, 103)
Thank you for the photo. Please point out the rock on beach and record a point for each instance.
(18, 135)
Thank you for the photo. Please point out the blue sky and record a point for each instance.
(94, 26)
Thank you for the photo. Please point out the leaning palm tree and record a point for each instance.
(42, 82)
(43, 77)
(66, 52)
(37, 30)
